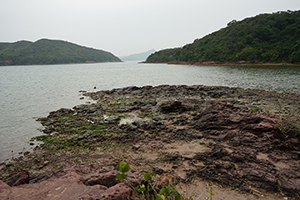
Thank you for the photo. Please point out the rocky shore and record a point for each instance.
(246, 142)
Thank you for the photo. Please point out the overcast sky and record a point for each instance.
(125, 27)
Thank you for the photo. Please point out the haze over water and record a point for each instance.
(29, 92)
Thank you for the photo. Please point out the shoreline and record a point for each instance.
(204, 133)
(225, 64)
(62, 63)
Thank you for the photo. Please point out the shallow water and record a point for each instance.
(29, 92)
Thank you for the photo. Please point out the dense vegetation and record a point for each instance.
(46, 51)
(264, 38)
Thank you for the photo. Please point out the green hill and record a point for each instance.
(264, 38)
(46, 51)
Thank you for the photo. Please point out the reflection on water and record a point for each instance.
(271, 78)
(28, 92)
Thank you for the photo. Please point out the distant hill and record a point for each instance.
(264, 38)
(138, 57)
(47, 51)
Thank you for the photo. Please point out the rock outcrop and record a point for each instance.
(225, 135)
(84, 183)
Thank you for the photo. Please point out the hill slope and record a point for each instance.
(138, 57)
(260, 39)
(46, 51)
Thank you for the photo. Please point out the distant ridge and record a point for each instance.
(265, 38)
(138, 57)
(46, 51)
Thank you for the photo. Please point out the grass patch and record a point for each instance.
(253, 110)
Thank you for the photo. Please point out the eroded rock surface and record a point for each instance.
(228, 136)
(88, 182)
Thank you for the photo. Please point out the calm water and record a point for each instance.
(29, 92)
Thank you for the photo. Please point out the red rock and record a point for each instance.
(172, 106)
(22, 178)
(5, 190)
(108, 179)
(71, 184)
(223, 115)
(117, 192)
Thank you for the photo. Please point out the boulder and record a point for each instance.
(20, 179)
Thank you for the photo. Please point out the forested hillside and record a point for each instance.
(46, 51)
(264, 38)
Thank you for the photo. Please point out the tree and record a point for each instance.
(231, 22)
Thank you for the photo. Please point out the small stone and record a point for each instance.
(112, 119)
(146, 141)
(8, 165)
(54, 134)
(157, 170)
(46, 162)
(136, 147)
(160, 146)
(86, 135)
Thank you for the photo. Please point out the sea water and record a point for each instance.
(32, 91)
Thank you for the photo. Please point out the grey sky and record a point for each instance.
(124, 27)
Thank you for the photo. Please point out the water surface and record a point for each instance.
(29, 92)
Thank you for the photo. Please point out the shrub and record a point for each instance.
(158, 190)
